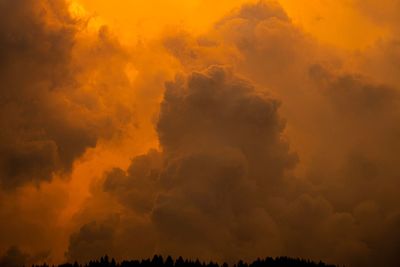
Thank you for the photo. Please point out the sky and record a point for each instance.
(218, 130)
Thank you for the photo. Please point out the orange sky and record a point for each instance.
(335, 22)
(245, 120)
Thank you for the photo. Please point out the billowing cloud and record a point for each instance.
(47, 120)
(60, 97)
(35, 55)
(228, 152)
(219, 180)
(93, 241)
(344, 186)
(222, 151)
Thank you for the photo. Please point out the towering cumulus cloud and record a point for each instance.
(224, 152)
(223, 155)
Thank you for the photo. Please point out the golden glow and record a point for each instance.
(334, 22)
(119, 63)
(147, 19)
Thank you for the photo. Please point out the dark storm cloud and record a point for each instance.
(36, 38)
(366, 114)
(354, 94)
(222, 154)
(145, 169)
(360, 175)
(13, 257)
(217, 110)
(46, 122)
(214, 129)
(93, 240)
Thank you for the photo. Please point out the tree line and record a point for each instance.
(158, 261)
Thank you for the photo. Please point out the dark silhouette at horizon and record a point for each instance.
(158, 261)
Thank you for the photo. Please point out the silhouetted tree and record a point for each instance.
(158, 261)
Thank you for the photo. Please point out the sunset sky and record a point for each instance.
(218, 130)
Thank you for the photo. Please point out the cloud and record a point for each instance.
(129, 191)
(47, 120)
(222, 150)
(221, 184)
(384, 14)
(93, 240)
(359, 168)
(65, 88)
(35, 57)
(341, 122)
(222, 181)
(13, 257)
